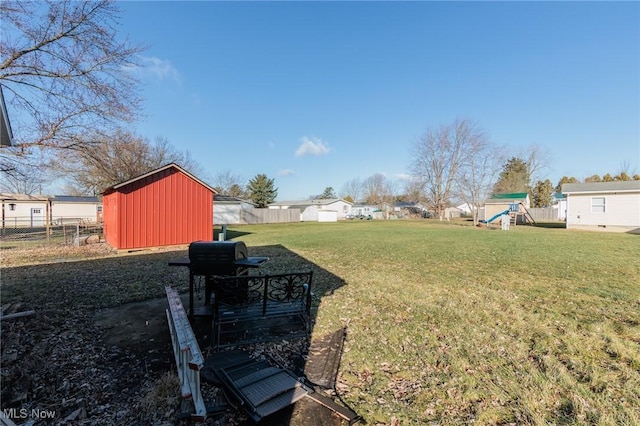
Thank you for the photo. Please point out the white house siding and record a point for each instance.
(310, 214)
(226, 214)
(310, 208)
(342, 208)
(621, 210)
(73, 211)
(327, 216)
(366, 210)
(562, 209)
(20, 210)
(24, 213)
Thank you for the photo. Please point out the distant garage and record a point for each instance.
(167, 206)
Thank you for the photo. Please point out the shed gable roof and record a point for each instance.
(510, 196)
(153, 172)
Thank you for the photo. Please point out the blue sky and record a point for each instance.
(314, 94)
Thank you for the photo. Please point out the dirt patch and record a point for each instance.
(135, 325)
(139, 327)
(98, 347)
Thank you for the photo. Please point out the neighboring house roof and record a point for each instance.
(74, 199)
(600, 187)
(558, 196)
(227, 199)
(408, 204)
(153, 172)
(507, 197)
(23, 197)
(465, 207)
(307, 203)
(6, 135)
(61, 198)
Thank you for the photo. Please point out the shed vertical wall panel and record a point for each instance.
(110, 218)
(165, 208)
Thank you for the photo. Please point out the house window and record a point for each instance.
(12, 206)
(598, 205)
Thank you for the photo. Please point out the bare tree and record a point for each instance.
(379, 191)
(438, 156)
(414, 191)
(109, 161)
(228, 183)
(65, 73)
(352, 189)
(537, 160)
(478, 172)
(24, 177)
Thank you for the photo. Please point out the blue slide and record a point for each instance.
(495, 216)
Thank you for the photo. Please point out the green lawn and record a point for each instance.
(450, 324)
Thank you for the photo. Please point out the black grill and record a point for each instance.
(218, 258)
(211, 259)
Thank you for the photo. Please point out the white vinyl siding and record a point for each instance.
(620, 210)
(598, 205)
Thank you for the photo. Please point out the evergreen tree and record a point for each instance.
(542, 193)
(593, 178)
(237, 191)
(262, 191)
(564, 180)
(622, 176)
(514, 177)
(326, 195)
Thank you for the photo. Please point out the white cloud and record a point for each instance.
(286, 172)
(312, 146)
(161, 69)
(405, 176)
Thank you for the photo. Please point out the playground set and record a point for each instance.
(510, 216)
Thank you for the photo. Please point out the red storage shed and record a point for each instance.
(167, 206)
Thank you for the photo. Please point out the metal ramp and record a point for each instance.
(260, 387)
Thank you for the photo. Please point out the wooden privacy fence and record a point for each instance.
(544, 214)
(257, 216)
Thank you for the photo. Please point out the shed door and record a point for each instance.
(37, 217)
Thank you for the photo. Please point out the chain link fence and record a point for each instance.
(25, 231)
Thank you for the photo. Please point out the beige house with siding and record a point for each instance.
(28, 211)
(604, 206)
